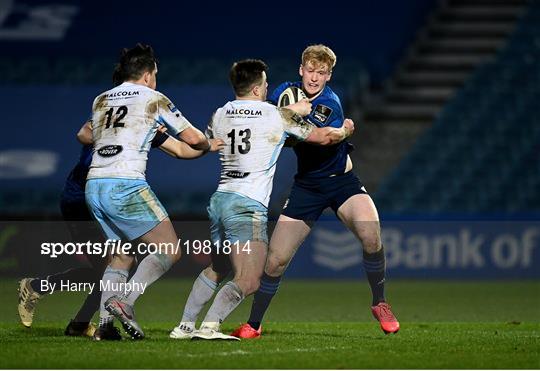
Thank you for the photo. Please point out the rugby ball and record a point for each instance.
(291, 95)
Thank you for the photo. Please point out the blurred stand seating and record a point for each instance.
(481, 155)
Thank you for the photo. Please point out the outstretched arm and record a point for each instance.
(179, 149)
(328, 136)
(194, 138)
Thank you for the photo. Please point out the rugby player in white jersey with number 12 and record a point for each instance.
(125, 120)
(254, 133)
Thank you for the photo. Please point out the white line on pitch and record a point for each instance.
(241, 352)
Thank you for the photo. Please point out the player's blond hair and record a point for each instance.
(319, 54)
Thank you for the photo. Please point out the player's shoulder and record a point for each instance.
(102, 96)
(328, 99)
(158, 96)
(157, 93)
(219, 111)
(126, 90)
(328, 96)
(270, 110)
(326, 109)
(163, 102)
(269, 106)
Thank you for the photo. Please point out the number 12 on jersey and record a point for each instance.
(121, 112)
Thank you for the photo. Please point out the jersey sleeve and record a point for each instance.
(327, 112)
(159, 139)
(274, 97)
(171, 117)
(210, 128)
(294, 124)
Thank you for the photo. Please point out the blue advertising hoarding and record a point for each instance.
(427, 249)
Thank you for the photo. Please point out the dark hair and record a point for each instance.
(117, 77)
(133, 63)
(246, 73)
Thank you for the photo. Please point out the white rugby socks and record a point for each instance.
(110, 284)
(202, 291)
(227, 299)
(149, 270)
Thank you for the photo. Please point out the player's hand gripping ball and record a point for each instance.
(291, 95)
(294, 99)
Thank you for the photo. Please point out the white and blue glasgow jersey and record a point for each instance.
(254, 133)
(125, 120)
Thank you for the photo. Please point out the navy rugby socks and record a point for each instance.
(375, 267)
(90, 306)
(268, 288)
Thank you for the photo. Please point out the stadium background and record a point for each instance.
(443, 95)
(447, 141)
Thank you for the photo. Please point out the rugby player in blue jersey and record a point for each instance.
(324, 179)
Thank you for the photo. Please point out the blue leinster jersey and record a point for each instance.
(314, 161)
(74, 186)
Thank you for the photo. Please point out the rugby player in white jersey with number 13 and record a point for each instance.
(254, 133)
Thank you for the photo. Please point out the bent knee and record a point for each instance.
(216, 275)
(248, 286)
(276, 266)
(121, 261)
(369, 235)
(371, 244)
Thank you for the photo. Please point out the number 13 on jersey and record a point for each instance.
(244, 136)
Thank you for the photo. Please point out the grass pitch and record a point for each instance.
(311, 324)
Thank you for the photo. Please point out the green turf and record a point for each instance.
(315, 324)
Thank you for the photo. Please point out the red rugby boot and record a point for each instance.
(383, 314)
(247, 332)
